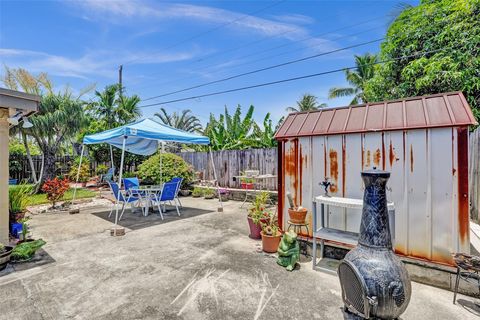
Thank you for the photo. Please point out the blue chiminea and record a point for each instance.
(375, 283)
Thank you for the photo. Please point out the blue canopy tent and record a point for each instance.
(142, 137)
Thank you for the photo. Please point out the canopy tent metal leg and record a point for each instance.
(216, 180)
(78, 174)
(111, 159)
(162, 151)
(120, 181)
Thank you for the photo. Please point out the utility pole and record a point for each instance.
(120, 69)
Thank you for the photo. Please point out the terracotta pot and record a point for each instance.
(297, 216)
(270, 243)
(255, 229)
(246, 185)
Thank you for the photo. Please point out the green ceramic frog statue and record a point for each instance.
(288, 250)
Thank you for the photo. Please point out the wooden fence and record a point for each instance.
(474, 172)
(231, 163)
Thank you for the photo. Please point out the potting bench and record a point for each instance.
(325, 233)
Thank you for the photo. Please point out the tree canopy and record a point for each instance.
(449, 27)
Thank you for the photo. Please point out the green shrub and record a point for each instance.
(129, 175)
(198, 192)
(172, 166)
(84, 170)
(209, 193)
(18, 198)
(101, 169)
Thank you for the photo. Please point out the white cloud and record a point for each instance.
(295, 18)
(239, 21)
(99, 63)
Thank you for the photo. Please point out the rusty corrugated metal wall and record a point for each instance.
(428, 184)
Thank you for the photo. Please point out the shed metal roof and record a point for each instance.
(439, 110)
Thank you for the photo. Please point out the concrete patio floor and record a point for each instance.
(201, 266)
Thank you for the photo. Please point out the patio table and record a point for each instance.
(145, 193)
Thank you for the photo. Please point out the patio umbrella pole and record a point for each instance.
(119, 185)
(216, 180)
(78, 174)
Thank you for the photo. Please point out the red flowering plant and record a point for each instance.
(257, 210)
(55, 189)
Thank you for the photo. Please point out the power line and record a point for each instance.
(290, 79)
(266, 68)
(261, 59)
(198, 35)
(273, 48)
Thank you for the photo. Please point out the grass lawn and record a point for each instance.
(41, 198)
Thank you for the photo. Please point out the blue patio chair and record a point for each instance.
(168, 193)
(124, 199)
(179, 180)
(108, 177)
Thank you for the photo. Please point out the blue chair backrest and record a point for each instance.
(169, 191)
(116, 194)
(12, 181)
(131, 183)
(179, 180)
(109, 175)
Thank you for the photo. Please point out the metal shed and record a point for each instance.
(422, 141)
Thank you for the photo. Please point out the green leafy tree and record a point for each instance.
(184, 120)
(308, 102)
(230, 132)
(59, 118)
(357, 79)
(22, 80)
(449, 27)
(264, 138)
(110, 110)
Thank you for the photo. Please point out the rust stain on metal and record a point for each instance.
(291, 163)
(368, 159)
(344, 164)
(333, 169)
(391, 155)
(411, 158)
(383, 151)
(376, 157)
(463, 205)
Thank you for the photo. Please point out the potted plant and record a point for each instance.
(25, 234)
(257, 214)
(5, 253)
(246, 183)
(297, 214)
(209, 193)
(197, 192)
(18, 199)
(271, 235)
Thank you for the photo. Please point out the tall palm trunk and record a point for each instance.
(29, 157)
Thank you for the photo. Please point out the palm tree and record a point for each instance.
(104, 107)
(308, 102)
(59, 119)
(357, 79)
(128, 109)
(184, 120)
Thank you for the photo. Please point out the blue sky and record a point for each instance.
(169, 45)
